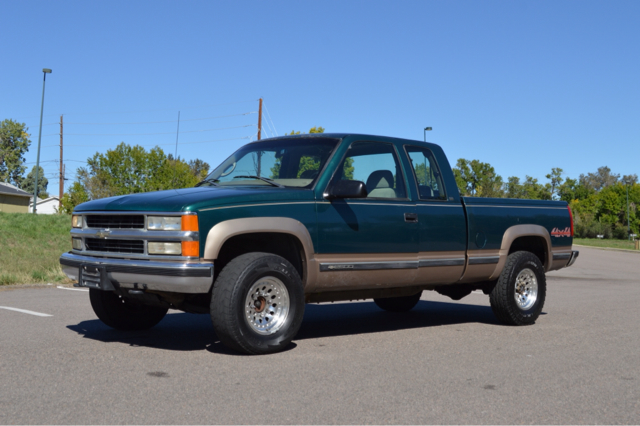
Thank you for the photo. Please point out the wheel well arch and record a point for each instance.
(282, 236)
(531, 238)
(278, 243)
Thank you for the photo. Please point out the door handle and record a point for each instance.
(411, 217)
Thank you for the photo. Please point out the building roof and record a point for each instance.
(7, 188)
(40, 200)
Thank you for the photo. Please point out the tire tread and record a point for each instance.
(502, 302)
(223, 314)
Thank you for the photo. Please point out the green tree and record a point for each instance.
(76, 195)
(318, 129)
(478, 179)
(14, 142)
(600, 179)
(572, 189)
(556, 180)
(513, 188)
(534, 190)
(28, 183)
(199, 168)
(131, 169)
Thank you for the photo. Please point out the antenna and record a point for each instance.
(175, 158)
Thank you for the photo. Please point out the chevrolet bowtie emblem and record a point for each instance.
(103, 234)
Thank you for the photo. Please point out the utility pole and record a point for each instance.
(45, 71)
(61, 170)
(260, 120)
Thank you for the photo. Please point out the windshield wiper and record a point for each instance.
(213, 182)
(261, 178)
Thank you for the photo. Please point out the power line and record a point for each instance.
(47, 161)
(172, 121)
(268, 126)
(181, 143)
(269, 115)
(153, 134)
(148, 110)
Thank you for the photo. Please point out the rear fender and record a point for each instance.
(515, 232)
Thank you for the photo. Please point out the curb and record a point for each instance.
(610, 249)
(17, 286)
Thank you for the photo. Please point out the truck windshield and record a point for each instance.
(275, 162)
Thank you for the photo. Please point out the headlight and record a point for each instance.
(164, 223)
(165, 248)
(76, 221)
(76, 243)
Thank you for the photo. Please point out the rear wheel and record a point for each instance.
(122, 314)
(398, 304)
(257, 304)
(519, 294)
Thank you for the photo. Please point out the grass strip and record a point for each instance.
(30, 247)
(597, 242)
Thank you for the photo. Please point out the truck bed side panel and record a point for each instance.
(488, 220)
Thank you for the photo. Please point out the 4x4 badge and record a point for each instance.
(566, 232)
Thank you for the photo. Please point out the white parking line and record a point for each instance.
(74, 289)
(24, 311)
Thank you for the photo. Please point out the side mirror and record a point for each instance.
(347, 189)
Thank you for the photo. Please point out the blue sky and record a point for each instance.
(522, 85)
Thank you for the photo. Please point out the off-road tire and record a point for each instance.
(503, 295)
(231, 289)
(119, 313)
(398, 304)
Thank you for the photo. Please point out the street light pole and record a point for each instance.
(628, 227)
(45, 71)
(425, 132)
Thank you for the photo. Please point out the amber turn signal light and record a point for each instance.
(190, 222)
(191, 248)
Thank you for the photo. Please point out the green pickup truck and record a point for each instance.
(313, 218)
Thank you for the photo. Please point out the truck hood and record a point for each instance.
(194, 199)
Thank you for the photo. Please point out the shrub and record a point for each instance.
(620, 232)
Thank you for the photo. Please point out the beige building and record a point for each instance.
(13, 199)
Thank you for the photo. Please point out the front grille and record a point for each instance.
(115, 246)
(118, 221)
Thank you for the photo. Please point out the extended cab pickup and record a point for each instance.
(313, 218)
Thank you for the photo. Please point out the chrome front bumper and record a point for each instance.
(98, 272)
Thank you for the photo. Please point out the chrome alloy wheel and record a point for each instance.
(267, 305)
(526, 291)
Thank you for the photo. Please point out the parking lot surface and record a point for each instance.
(443, 362)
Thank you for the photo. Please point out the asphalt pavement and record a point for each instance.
(443, 362)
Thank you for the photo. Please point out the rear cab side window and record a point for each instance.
(426, 173)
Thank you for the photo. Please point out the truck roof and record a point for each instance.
(344, 135)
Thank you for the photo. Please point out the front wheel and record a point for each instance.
(122, 314)
(519, 294)
(257, 304)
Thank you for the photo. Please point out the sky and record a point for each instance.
(522, 85)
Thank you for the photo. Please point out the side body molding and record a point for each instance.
(222, 231)
(517, 231)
